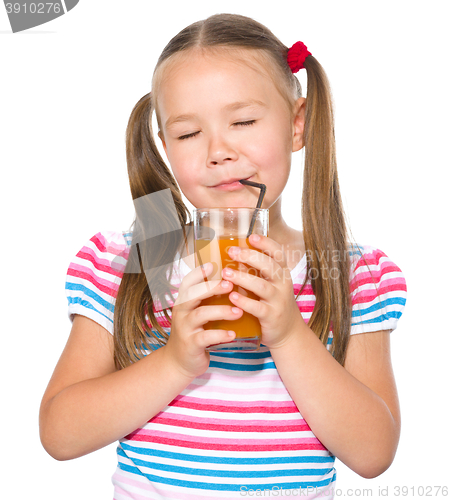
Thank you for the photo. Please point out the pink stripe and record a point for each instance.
(305, 309)
(133, 496)
(388, 283)
(109, 246)
(88, 277)
(205, 420)
(385, 268)
(387, 286)
(119, 478)
(308, 303)
(100, 264)
(371, 258)
(102, 281)
(196, 442)
(307, 290)
(182, 496)
(215, 440)
(253, 404)
(235, 407)
(377, 266)
(378, 284)
(233, 425)
(377, 271)
(100, 257)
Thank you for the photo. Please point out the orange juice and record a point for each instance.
(247, 327)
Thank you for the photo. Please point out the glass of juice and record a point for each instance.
(215, 231)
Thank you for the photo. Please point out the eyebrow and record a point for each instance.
(234, 106)
(251, 103)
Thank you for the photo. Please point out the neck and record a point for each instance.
(279, 231)
(290, 239)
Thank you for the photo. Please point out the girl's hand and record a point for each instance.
(188, 339)
(277, 309)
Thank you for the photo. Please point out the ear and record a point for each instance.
(163, 141)
(298, 124)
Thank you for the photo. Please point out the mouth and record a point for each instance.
(230, 185)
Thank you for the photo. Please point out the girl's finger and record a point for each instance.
(207, 338)
(263, 288)
(196, 286)
(256, 308)
(267, 266)
(196, 276)
(204, 314)
(270, 247)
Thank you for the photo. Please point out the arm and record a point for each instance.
(88, 404)
(354, 411)
(98, 404)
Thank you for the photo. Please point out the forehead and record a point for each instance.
(202, 70)
(226, 56)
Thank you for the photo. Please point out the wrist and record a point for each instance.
(170, 370)
(301, 350)
(298, 329)
(174, 368)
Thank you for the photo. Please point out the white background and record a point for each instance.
(66, 91)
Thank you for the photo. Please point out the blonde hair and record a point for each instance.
(324, 226)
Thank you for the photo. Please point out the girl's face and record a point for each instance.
(221, 121)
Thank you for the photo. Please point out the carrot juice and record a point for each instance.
(247, 328)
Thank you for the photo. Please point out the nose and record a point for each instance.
(220, 151)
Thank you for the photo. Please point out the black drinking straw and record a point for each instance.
(262, 187)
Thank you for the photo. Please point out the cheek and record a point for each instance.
(178, 161)
(274, 140)
(182, 176)
(272, 151)
(187, 178)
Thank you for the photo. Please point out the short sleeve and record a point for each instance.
(378, 291)
(94, 276)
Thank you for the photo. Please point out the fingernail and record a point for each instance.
(235, 310)
(206, 267)
(255, 237)
(234, 250)
(224, 284)
(228, 272)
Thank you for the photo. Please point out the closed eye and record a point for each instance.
(188, 136)
(239, 124)
(246, 123)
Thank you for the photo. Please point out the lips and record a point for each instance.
(230, 183)
(229, 186)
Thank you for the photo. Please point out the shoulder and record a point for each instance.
(105, 251)
(377, 288)
(370, 264)
(109, 242)
(94, 275)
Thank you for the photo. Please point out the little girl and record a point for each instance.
(198, 425)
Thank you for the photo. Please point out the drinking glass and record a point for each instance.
(215, 231)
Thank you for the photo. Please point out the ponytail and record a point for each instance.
(324, 226)
(147, 174)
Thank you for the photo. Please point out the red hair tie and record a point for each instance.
(296, 56)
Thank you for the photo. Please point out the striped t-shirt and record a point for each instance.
(234, 431)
